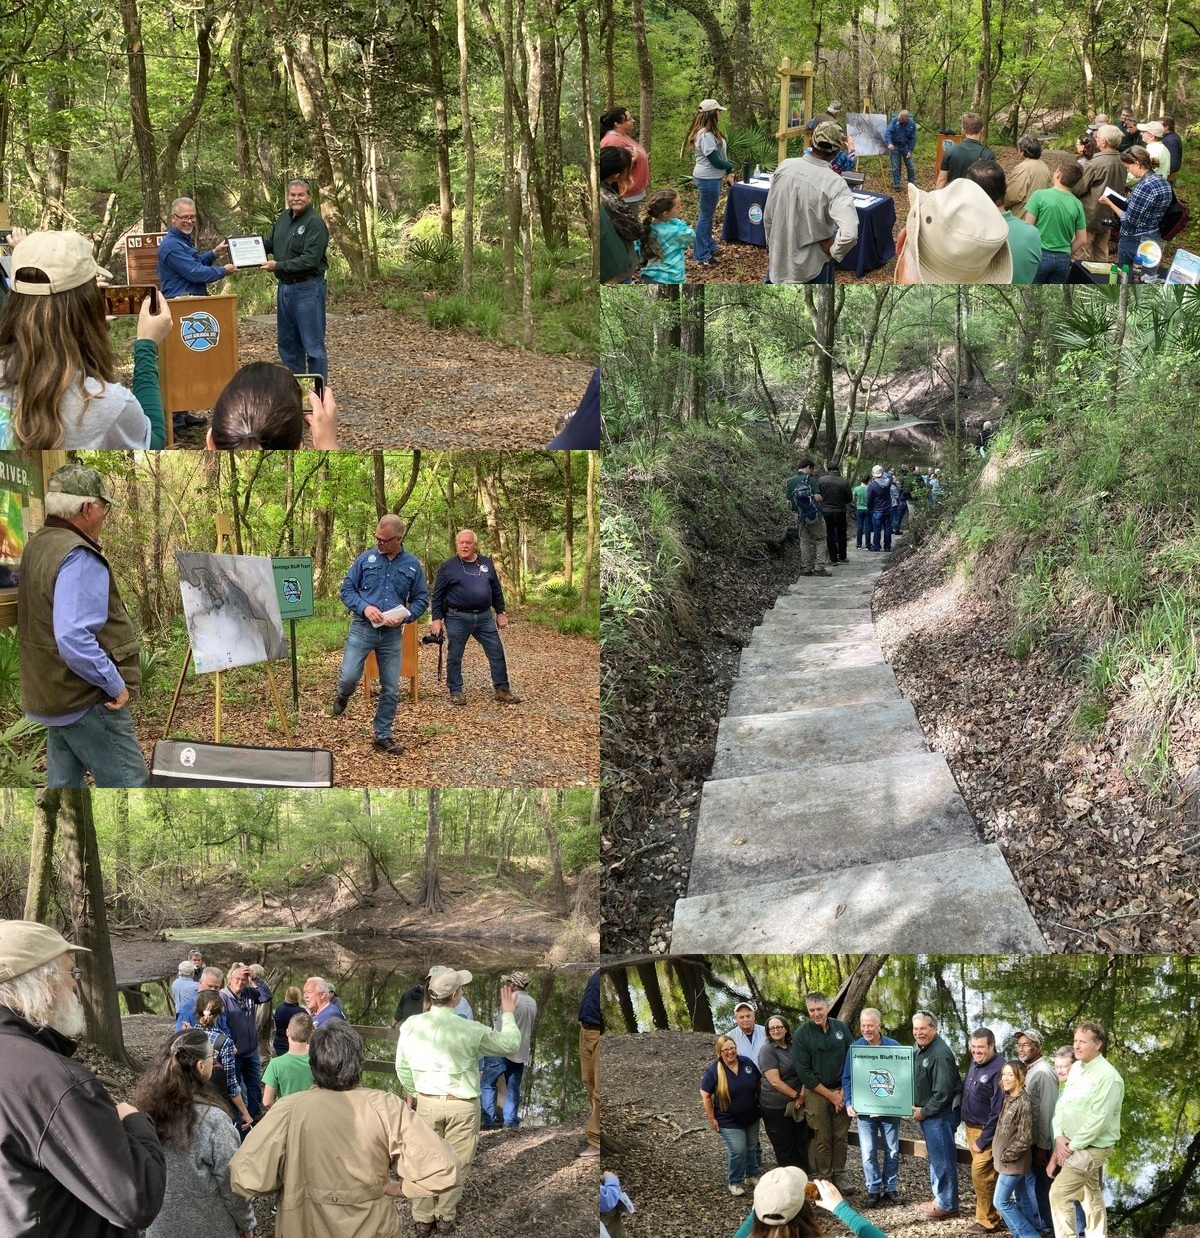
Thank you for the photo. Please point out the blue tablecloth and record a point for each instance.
(743, 222)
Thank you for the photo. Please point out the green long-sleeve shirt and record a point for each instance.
(438, 1053)
(147, 390)
(299, 244)
(859, 1226)
(1088, 1112)
(936, 1078)
(820, 1055)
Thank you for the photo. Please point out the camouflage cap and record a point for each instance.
(518, 979)
(76, 478)
(828, 136)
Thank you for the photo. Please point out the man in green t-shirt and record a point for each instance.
(862, 511)
(291, 1072)
(1061, 223)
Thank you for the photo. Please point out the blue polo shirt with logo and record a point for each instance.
(376, 580)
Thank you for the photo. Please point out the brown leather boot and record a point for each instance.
(507, 697)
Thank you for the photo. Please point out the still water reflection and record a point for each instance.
(369, 986)
(1149, 1004)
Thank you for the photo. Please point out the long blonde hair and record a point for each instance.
(723, 1098)
(710, 120)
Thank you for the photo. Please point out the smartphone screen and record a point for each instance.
(122, 300)
(311, 382)
(153, 299)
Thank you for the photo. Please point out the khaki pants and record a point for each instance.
(983, 1179)
(813, 550)
(827, 1135)
(1079, 1179)
(1098, 244)
(457, 1122)
(589, 1068)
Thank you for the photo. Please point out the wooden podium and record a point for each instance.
(410, 666)
(200, 356)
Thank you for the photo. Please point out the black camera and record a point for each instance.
(430, 639)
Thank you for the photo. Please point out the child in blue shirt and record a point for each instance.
(667, 238)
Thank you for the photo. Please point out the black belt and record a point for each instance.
(302, 280)
(591, 1027)
(469, 610)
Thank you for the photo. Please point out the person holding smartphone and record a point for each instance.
(58, 373)
(264, 408)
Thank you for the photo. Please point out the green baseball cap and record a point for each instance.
(76, 478)
(828, 136)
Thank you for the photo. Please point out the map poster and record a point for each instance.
(231, 610)
(881, 1080)
(868, 132)
(294, 587)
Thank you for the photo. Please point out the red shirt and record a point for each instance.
(638, 178)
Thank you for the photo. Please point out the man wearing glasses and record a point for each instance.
(74, 1162)
(79, 651)
(380, 584)
(182, 272)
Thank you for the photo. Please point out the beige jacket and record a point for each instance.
(327, 1154)
(1025, 179)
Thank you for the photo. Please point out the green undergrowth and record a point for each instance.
(680, 515)
(1085, 522)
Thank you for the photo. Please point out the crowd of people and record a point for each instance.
(978, 224)
(1037, 1130)
(879, 504)
(207, 1131)
(80, 653)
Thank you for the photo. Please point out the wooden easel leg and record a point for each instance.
(178, 692)
(283, 718)
(217, 710)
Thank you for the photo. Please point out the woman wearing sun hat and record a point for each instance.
(712, 169)
(57, 370)
(784, 1208)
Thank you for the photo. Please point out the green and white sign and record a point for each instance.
(294, 585)
(881, 1080)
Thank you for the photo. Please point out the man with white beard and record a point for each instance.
(71, 1161)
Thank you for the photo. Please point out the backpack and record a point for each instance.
(1174, 220)
(805, 506)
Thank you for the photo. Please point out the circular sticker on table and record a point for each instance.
(1149, 254)
(755, 214)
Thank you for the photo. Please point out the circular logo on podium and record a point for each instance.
(199, 331)
(755, 213)
(187, 757)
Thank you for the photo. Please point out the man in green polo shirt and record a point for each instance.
(1086, 1126)
(1061, 223)
(437, 1063)
(819, 1050)
(961, 155)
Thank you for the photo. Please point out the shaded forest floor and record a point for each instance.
(747, 264)
(402, 383)
(552, 739)
(521, 1182)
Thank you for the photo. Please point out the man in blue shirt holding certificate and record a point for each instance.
(182, 272)
(380, 585)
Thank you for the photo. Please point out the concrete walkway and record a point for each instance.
(827, 825)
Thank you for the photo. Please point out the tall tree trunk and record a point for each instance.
(139, 108)
(468, 145)
(59, 93)
(40, 885)
(433, 31)
(372, 867)
(430, 893)
(568, 518)
(652, 990)
(691, 324)
(589, 135)
(645, 75)
(206, 23)
(550, 829)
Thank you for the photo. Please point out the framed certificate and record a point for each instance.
(247, 251)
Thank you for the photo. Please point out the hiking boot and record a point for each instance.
(893, 1197)
(588, 1151)
(424, 1227)
(388, 745)
(843, 1184)
(339, 706)
(445, 1227)
(457, 698)
(506, 697)
(821, 571)
(872, 1201)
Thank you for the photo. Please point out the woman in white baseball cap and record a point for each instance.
(57, 371)
(712, 169)
(785, 1204)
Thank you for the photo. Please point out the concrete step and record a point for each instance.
(817, 820)
(781, 693)
(807, 611)
(799, 629)
(776, 657)
(963, 901)
(769, 742)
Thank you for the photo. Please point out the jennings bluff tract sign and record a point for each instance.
(881, 1080)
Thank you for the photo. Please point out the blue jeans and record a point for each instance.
(709, 189)
(864, 529)
(943, 1165)
(898, 517)
(361, 639)
(881, 522)
(876, 1136)
(250, 1069)
(460, 627)
(1015, 1200)
(1053, 268)
(490, 1070)
(101, 743)
(908, 164)
(300, 327)
(743, 1150)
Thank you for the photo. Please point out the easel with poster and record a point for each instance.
(868, 131)
(224, 546)
(795, 102)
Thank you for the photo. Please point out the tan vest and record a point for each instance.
(48, 686)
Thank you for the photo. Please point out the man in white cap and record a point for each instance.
(437, 1063)
(748, 1035)
(79, 651)
(810, 219)
(74, 1163)
(953, 236)
(511, 1066)
(1152, 132)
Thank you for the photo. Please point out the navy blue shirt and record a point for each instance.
(376, 580)
(182, 272)
(284, 1013)
(582, 432)
(879, 495)
(467, 586)
(902, 134)
(589, 1006)
(743, 1093)
(982, 1097)
(241, 1017)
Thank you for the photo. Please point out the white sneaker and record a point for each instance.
(737, 1189)
(749, 1180)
